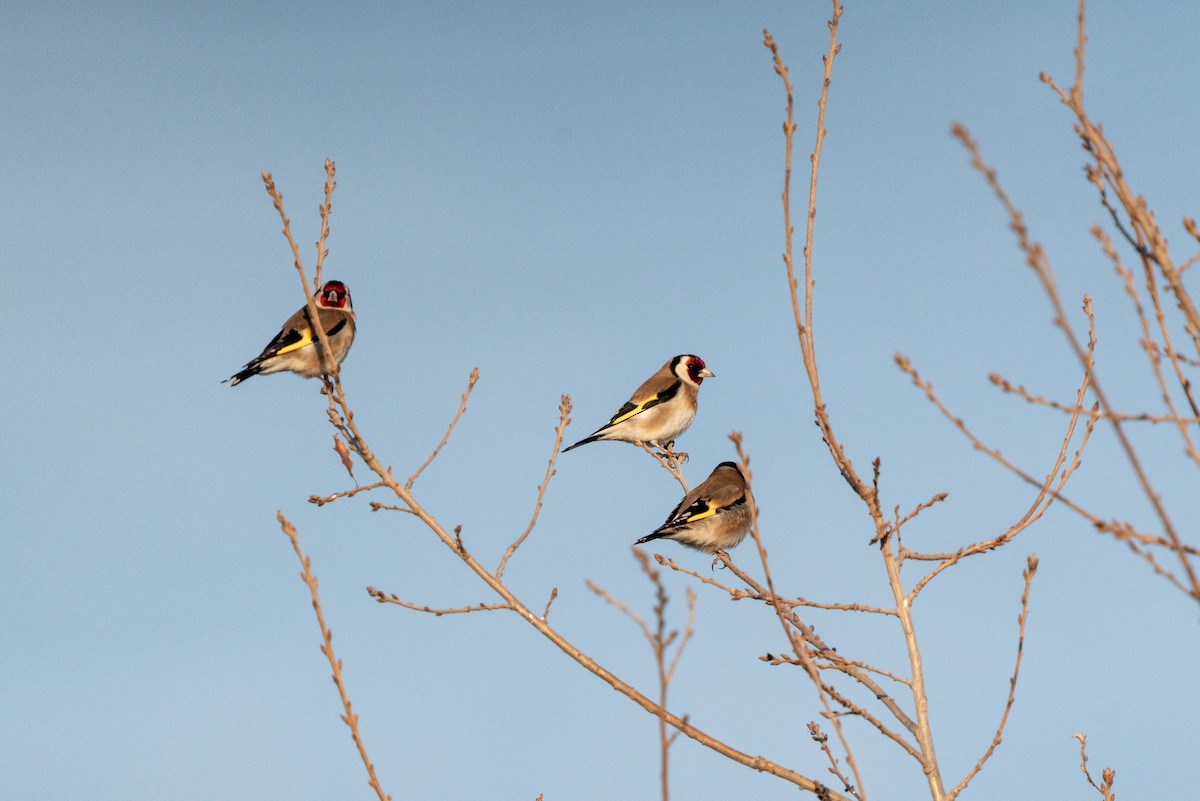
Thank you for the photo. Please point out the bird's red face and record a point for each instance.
(334, 295)
(696, 369)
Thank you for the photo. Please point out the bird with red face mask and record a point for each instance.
(295, 349)
(660, 409)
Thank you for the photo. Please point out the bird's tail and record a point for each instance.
(239, 377)
(583, 441)
(656, 535)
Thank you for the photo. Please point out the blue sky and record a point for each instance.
(564, 195)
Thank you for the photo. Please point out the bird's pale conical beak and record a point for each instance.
(706, 373)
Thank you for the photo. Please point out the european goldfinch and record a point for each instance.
(714, 516)
(660, 410)
(294, 348)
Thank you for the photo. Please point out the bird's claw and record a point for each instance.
(679, 458)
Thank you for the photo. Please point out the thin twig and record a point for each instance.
(1151, 244)
(670, 462)
(1031, 566)
(659, 641)
(1010, 388)
(822, 740)
(321, 500)
(1045, 496)
(564, 418)
(326, 209)
(349, 717)
(462, 407)
(391, 598)
(1107, 776)
(328, 364)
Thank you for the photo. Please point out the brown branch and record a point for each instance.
(328, 365)
(1036, 258)
(1151, 246)
(376, 506)
(734, 593)
(549, 601)
(391, 598)
(1045, 496)
(873, 610)
(1151, 348)
(1107, 776)
(564, 418)
(670, 462)
(822, 739)
(784, 613)
(454, 543)
(898, 524)
(1106, 171)
(462, 407)
(326, 208)
(1010, 388)
(659, 641)
(320, 500)
(349, 717)
(1031, 566)
(804, 320)
(1134, 539)
(838, 662)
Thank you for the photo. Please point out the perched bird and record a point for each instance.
(294, 348)
(660, 410)
(714, 516)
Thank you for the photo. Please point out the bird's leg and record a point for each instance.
(718, 559)
(676, 458)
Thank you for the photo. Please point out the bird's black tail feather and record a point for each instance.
(583, 441)
(656, 535)
(239, 377)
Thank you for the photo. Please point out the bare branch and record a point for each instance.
(1031, 566)
(391, 598)
(462, 407)
(822, 740)
(564, 412)
(326, 208)
(1107, 776)
(322, 500)
(328, 364)
(550, 600)
(349, 717)
(1045, 496)
(671, 462)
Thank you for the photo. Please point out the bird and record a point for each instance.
(715, 516)
(660, 409)
(294, 349)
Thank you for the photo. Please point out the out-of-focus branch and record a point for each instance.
(660, 641)
(1105, 174)
(349, 717)
(1149, 345)
(1009, 388)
